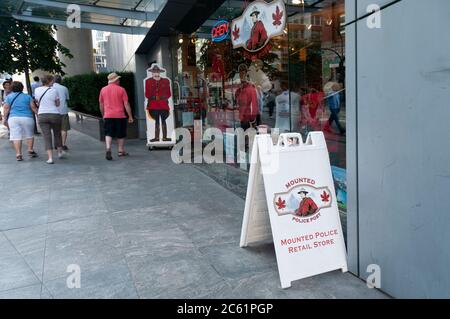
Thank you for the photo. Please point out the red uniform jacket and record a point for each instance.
(258, 36)
(158, 94)
(307, 207)
(247, 101)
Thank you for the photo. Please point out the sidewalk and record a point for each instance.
(140, 227)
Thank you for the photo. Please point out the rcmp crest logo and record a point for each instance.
(304, 201)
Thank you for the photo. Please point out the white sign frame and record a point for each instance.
(269, 177)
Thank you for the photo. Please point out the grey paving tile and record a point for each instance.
(23, 216)
(141, 219)
(332, 285)
(158, 277)
(88, 242)
(112, 281)
(145, 231)
(118, 198)
(217, 290)
(30, 243)
(205, 231)
(45, 294)
(30, 292)
(231, 261)
(75, 202)
(265, 285)
(14, 271)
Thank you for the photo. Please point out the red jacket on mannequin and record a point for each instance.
(247, 101)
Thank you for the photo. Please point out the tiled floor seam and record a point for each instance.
(126, 260)
(24, 260)
(45, 244)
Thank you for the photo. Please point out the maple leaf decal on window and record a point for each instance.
(281, 204)
(325, 197)
(235, 32)
(277, 16)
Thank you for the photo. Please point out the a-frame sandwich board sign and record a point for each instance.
(291, 198)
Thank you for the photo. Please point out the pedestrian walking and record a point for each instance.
(19, 113)
(36, 84)
(49, 116)
(115, 107)
(334, 105)
(63, 93)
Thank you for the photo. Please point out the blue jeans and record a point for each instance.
(334, 117)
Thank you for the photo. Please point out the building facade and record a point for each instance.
(390, 81)
(394, 85)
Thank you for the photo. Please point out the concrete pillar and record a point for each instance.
(79, 42)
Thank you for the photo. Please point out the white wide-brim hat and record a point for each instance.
(113, 77)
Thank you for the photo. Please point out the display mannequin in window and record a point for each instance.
(288, 115)
(158, 93)
(247, 100)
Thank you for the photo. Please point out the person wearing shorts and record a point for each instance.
(114, 103)
(19, 117)
(63, 93)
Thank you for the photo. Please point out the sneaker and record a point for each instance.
(62, 155)
(65, 148)
(50, 162)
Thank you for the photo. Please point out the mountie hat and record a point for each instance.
(255, 11)
(155, 68)
(304, 191)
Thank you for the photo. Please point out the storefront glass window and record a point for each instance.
(298, 84)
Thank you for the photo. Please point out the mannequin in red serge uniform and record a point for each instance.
(247, 101)
(157, 91)
(258, 34)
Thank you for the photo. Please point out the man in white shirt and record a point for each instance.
(63, 93)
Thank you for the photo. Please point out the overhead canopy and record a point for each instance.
(120, 16)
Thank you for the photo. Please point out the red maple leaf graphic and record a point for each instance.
(325, 197)
(235, 32)
(277, 16)
(281, 204)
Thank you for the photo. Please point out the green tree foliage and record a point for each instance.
(29, 46)
(84, 90)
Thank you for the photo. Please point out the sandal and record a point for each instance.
(19, 158)
(123, 154)
(32, 154)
